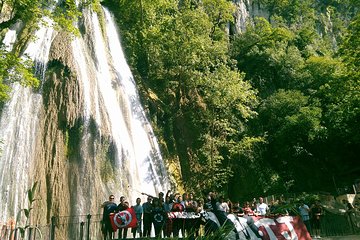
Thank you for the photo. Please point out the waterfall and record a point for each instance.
(241, 14)
(18, 129)
(246, 11)
(111, 99)
(111, 113)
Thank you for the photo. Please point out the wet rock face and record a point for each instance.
(246, 11)
(61, 50)
(62, 104)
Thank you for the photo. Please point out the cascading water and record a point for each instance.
(111, 115)
(246, 11)
(18, 129)
(242, 14)
(111, 99)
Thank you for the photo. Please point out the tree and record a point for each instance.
(268, 57)
(184, 61)
(190, 74)
(293, 125)
(12, 69)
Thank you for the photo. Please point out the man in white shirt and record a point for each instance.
(262, 207)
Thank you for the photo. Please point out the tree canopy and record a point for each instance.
(13, 66)
(277, 103)
(272, 109)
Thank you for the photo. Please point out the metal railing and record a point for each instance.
(341, 225)
(82, 227)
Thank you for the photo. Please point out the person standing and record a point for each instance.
(304, 211)
(139, 212)
(351, 212)
(147, 217)
(262, 208)
(177, 223)
(316, 213)
(159, 217)
(123, 205)
(247, 210)
(167, 207)
(223, 205)
(108, 207)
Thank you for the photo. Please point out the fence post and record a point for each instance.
(30, 232)
(36, 228)
(7, 233)
(88, 227)
(82, 230)
(15, 233)
(52, 230)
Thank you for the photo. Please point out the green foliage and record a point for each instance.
(181, 54)
(26, 10)
(276, 104)
(14, 69)
(350, 48)
(291, 11)
(30, 12)
(106, 157)
(72, 140)
(263, 105)
(343, 93)
(31, 199)
(65, 15)
(220, 13)
(268, 57)
(306, 92)
(293, 123)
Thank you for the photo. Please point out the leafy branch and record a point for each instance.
(31, 199)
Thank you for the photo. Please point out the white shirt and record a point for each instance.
(262, 208)
(225, 207)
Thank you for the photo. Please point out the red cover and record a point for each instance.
(123, 219)
(282, 228)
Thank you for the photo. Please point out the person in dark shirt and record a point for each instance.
(123, 205)
(236, 209)
(316, 213)
(159, 217)
(147, 217)
(108, 207)
(178, 223)
(207, 203)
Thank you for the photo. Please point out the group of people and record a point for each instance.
(311, 217)
(153, 212)
(156, 213)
